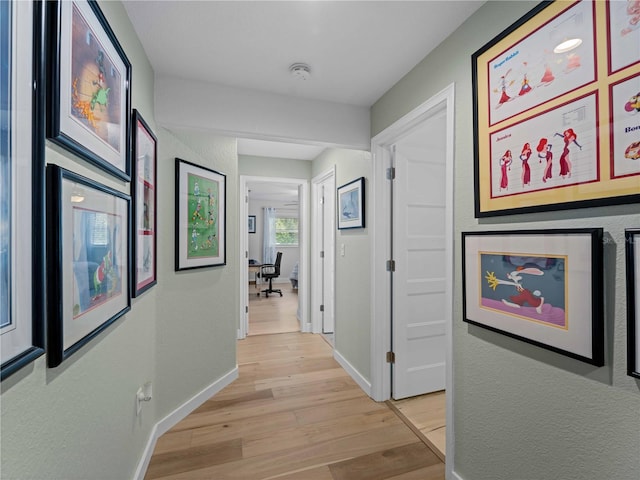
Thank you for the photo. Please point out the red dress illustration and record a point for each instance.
(544, 153)
(505, 163)
(548, 77)
(565, 164)
(526, 169)
(525, 88)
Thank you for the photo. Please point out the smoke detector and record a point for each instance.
(301, 71)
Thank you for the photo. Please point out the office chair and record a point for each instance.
(269, 272)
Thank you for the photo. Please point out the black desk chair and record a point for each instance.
(269, 272)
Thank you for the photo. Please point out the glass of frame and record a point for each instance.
(351, 204)
(543, 287)
(252, 224)
(89, 110)
(144, 206)
(21, 186)
(88, 260)
(200, 216)
(540, 142)
(632, 237)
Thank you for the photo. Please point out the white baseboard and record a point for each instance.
(455, 476)
(355, 374)
(178, 414)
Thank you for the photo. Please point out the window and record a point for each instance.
(287, 231)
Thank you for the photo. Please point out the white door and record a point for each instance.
(419, 281)
(328, 257)
(323, 252)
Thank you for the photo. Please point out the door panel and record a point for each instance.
(419, 250)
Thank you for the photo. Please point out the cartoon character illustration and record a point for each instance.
(526, 169)
(544, 153)
(196, 189)
(212, 199)
(194, 239)
(633, 151)
(573, 62)
(633, 103)
(198, 212)
(212, 219)
(504, 97)
(505, 164)
(525, 88)
(105, 278)
(523, 296)
(569, 137)
(633, 11)
(548, 77)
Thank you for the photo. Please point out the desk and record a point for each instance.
(255, 269)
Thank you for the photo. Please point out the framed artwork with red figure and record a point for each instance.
(547, 116)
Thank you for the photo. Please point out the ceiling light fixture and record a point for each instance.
(568, 45)
(301, 71)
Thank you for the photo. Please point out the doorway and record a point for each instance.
(323, 254)
(420, 141)
(296, 207)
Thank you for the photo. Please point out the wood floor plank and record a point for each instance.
(293, 413)
(193, 458)
(386, 463)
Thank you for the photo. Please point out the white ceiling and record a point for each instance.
(357, 50)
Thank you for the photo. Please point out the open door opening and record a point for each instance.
(412, 292)
(264, 312)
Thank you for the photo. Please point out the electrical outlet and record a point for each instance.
(144, 394)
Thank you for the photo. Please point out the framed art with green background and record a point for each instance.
(200, 216)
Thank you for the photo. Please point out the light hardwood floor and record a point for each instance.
(294, 413)
(273, 314)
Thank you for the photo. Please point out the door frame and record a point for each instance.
(316, 241)
(303, 238)
(381, 246)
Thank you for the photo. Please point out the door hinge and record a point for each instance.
(246, 309)
(322, 308)
(391, 357)
(391, 265)
(246, 254)
(321, 200)
(391, 173)
(322, 254)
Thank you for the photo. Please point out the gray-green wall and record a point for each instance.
(521, 412)
(78, 421)
(353, 270)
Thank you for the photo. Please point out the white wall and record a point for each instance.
(353, 270)
(522, 412)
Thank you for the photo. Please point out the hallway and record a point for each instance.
(293, 413)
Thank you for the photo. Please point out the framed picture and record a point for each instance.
(632, 237)
(144, 206)
(540, 142)
(21, 185)
(624, 34)
(252, 224)
(88, 260)
(200, 216)
(625, 134)
(351, 204)
(543, 287)
(89, 109)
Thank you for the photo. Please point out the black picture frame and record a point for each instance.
(550, 288)
(89, 108)
(632, 255)
(200, 216)
(351, 205)
(144, 195)
(252, 224)
(88, 260)
(540, 144)
(25, 98)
